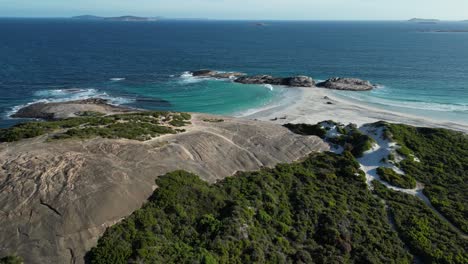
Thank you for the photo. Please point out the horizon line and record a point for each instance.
(232, 19)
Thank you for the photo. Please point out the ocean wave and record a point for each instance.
(188, 78)
(284, 97)
(269, 86)
(71, 94)
(116, 79)
(416, 105)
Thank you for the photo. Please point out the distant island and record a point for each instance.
(119, 18)
(446, 31)
(424, 20)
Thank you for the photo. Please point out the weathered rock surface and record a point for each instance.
(60, 110)
(349, 84)
(216, 74)
(296, 81)
(57, 198)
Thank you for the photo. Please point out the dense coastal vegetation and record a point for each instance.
(11, 260)
(438, 158)
(347, 136)
(137, 126)
(390, 176)
(428, 236)
(317, 211)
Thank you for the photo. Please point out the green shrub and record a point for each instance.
(136, 126)
(428, 236)
(213, 120)
(288, 214)
(90, 113)
(443, 167)
(11, 260)
(305, 129)
(390, 176)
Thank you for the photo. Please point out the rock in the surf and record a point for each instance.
(349, 84)
(296, 81)
(216, 74)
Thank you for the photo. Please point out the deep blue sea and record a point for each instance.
(142, 64)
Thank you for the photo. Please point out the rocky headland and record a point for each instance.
(60, 110)
(58, 196)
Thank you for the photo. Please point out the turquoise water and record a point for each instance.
(143, 64)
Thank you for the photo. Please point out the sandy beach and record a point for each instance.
(313, 105)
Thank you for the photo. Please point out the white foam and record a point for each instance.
(188, 78)
(117, 79)
(269, 86)
(283, 99)
(432, 106)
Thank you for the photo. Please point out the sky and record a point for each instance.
(247, 9)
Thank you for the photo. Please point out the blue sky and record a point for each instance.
(247, 9)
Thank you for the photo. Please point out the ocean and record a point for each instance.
(145, 64)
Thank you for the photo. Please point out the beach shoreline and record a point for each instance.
(313, 105)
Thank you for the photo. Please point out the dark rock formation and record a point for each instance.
(216, 74)
(59, 110)
(349, 84)
(297, 81)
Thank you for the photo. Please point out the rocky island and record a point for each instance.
(336, 83)
(349, 84)
(216, 74)
(295, 81)
(119, 18)
(424, 20)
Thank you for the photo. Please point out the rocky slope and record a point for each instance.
(60, 110)
(58, 197)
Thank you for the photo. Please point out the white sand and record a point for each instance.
(309, 106)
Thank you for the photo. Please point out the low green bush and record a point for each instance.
(442, 167)
(136, 126)
(390, 176)
(317, 211)
(305, 129)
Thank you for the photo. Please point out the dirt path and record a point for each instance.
(373, 159)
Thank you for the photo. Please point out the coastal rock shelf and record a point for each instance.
(60, 110)
(336, 83)
(58, 197)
